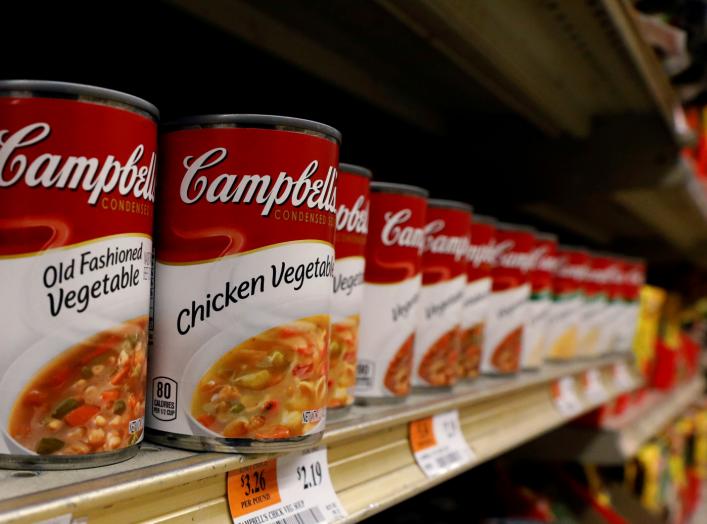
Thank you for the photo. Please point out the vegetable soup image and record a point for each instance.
(89, 399)
(439, 364)
(397, 378)
(267, 386)
(342, 361)
(470, 355)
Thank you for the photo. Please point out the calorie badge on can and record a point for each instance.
(352, 201)
(77, 186)
(503, 341)
(391, 293)
(244, 271)
(480, 261)
(436, 347)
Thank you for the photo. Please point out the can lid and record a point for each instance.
(449, 204)
(546, 236)
(392, 187)
(69, 88)
(507, 226)
(252, 120)
(356, 170)
(484, 219)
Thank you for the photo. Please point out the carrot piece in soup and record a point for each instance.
(35, 397)
(81, 415)
(120, 376)
(111, 394)
(206, 420)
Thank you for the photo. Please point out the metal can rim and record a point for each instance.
(547, 236)
(449, 204)
(508, 226)
(253, 120)
(70, 88)
(393, 187)
(355, 170)
(484, 219)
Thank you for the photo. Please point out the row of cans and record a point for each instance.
(279, 282)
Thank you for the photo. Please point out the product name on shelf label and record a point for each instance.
(438, 443)
(564, 395)
(593, 385)
(292, 489)
(623, 379)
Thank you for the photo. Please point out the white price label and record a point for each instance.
(623, 379)
(292, 489)
(438, 443)
(564, 395)
(594, 388)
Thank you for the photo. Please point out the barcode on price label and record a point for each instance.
(308, 516)
(439, 444)
(293, 489)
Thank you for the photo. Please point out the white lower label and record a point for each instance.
(292, 489)
(503, 339)
(438, 444)
(594, 388)
(564, 395)
(623, 379)
(533, 351)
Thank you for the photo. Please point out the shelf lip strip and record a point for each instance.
(134, 478)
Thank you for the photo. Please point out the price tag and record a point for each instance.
(594, 388)
(623, 379)
(294, 488)
(564, 395)
(438, 443)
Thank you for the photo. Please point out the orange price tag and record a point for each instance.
(253, 488)
(422, 434)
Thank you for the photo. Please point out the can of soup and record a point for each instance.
(352, 201)
(480, 260)
(244, 270)
(633, 277)
(77, 180)
(503, 341)
(543, 267)
(391, 292)
(593, 339)
(568, 302)
(436, 348)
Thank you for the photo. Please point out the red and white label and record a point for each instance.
(244, 271)
(480, 260)
(436, 348)
(503, 338)
(77, 186)
(350, 247)
(391, 294)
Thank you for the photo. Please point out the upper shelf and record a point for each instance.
(370, 460)
(559, 64)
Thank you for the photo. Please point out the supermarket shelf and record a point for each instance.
(559, 64)
(622, 436)
(371, 464)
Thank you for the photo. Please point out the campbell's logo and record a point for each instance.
(355, 219)
(132, 175)
(633, 277)
(509, 259)
(262, 189)
(396, 233)
(544, 261)
(604, 276)
(478, 254)
(444, 244)
(573, 272)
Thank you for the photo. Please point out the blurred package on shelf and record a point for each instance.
(652, 300)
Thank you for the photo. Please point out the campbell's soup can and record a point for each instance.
(77, 183)
(480, 260)
(595, 328)
(352, 201)
(633, 277)
(503, 340)
(436, 348)
(568, 303)
(542, 270)
(391, 292)
(244, 270)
